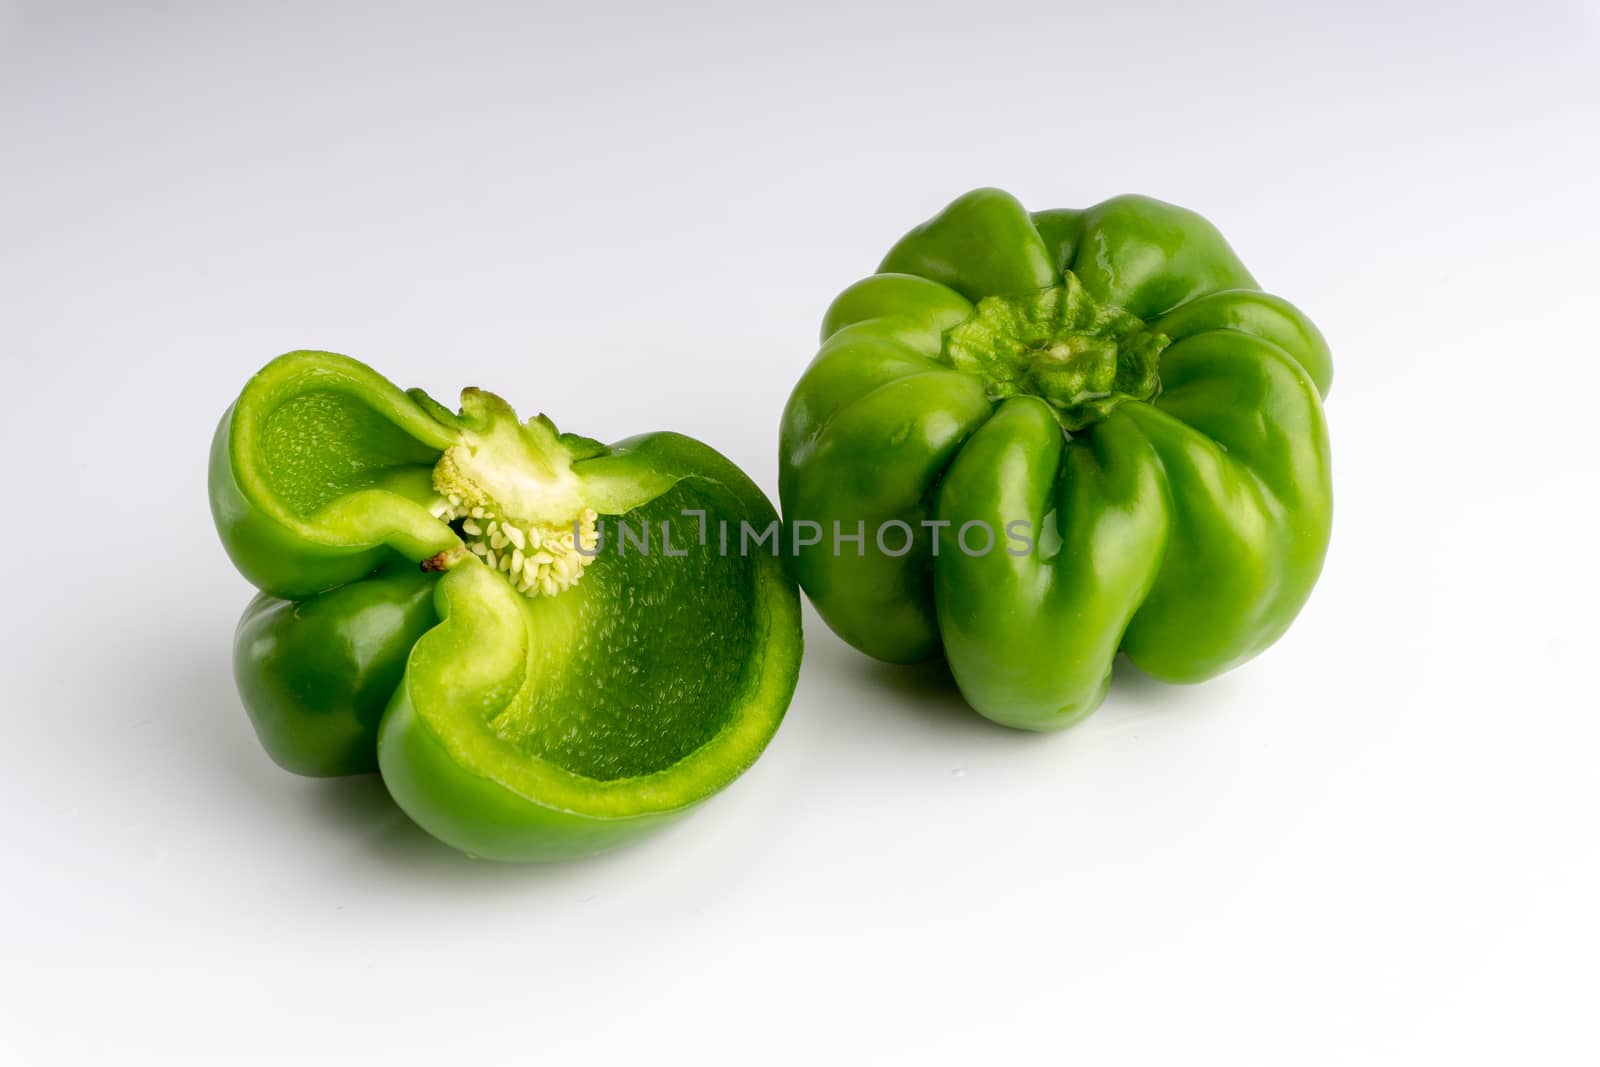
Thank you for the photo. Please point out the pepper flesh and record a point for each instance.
(517, 708)
(1111, 385)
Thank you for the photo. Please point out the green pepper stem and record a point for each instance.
(1082, 357)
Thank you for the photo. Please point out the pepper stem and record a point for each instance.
(1082, 357)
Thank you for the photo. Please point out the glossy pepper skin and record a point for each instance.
(316, 675)
(446, 600)
(1109, 393)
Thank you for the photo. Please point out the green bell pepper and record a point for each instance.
(529, 634)
(1103, 397)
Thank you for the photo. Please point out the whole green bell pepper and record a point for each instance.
(1033, 440)
(529, 634)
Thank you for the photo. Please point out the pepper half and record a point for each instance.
(1033, 440)
(528, 633)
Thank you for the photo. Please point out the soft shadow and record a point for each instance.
(927, 687)
(839, 682)
(190, 685)
(193, 682)
(362, 807)
(1133, 688)
(925, 691)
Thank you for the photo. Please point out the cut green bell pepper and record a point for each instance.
(1107, 399)
(528, 633)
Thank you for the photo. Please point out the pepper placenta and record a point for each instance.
(529, 634)
(1033, 440)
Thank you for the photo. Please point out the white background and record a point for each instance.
(1374, 844)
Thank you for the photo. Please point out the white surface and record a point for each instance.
(1374, 844)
